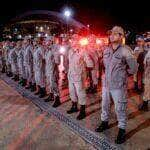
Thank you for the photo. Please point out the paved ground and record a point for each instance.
(32, 126)
(24, 127)
(138, 129)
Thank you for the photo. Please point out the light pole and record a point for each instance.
(67, 14)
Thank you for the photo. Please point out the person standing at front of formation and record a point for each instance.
(118, 62)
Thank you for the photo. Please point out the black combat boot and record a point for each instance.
(121, 136)
(3, 70)
(50, 98)
(9, 74)
(73, 109)
(33, 87)
(42, 92)
(103, 126)
(13, 77)
(28, 86)
(56, 102)
(17, 78)
(82, 113)
(143, 106)
(38, 92)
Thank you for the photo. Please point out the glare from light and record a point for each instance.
(46, 35)
(98, 41)
(84, 42)
(39, 35)
(9, 36)
(19, 36)
(67, 13)
(30, 36)
(62, 49)
(71, 30)
(41, 28)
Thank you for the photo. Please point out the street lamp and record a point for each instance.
(41, 28)
(67, 14)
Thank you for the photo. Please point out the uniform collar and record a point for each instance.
(116, 48)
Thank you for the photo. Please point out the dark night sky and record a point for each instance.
(101, 14)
